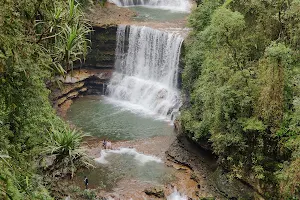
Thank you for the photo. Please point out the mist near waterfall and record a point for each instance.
(146, 70)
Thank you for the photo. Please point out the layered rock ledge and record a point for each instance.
(90, 77)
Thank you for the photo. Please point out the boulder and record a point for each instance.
(155, 191)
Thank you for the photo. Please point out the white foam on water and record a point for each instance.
(118, 198)
(173, 5)
(141, 158)
(102, 159)
(147, 62)
(177, 196)
(135, 108)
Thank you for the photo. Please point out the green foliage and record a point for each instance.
(67, 28)
(85, 4)
(74, 189)
(64, 144)
(290, 177)
(272, 79)
(102, 3)
(201, 16)
(89, 194)
(31, 36)
(241, 85)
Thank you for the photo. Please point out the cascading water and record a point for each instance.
(147, 70)
(176, 5)
(177, 196)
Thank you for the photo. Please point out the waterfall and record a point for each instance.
(146, 70)
(176, 5)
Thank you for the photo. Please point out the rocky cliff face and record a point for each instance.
(90, 77)
(102, 52)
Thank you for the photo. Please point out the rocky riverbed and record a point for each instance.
(196, 174)
(191, 183)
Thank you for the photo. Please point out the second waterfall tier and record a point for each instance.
(146, 70)
(176, 5)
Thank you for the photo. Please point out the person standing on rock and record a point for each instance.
(104, 143)
(86, 182)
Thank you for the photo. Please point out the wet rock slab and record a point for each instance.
(155, 191)
(206, 172)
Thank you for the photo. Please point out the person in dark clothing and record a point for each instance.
(86, 182)
(104, 143)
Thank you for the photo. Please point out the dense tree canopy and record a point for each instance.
(241, 83)
(38, 39)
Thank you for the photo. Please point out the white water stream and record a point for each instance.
(140, 157)
(146, 73)
(174, 5)
(177, 196)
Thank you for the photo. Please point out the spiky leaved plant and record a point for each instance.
(64, 146)
(67, 29)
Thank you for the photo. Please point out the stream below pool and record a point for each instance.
(139, 142)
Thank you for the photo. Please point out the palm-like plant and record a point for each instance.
(75, 44)
(64, 145)
(66, 32)
(73, 37)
